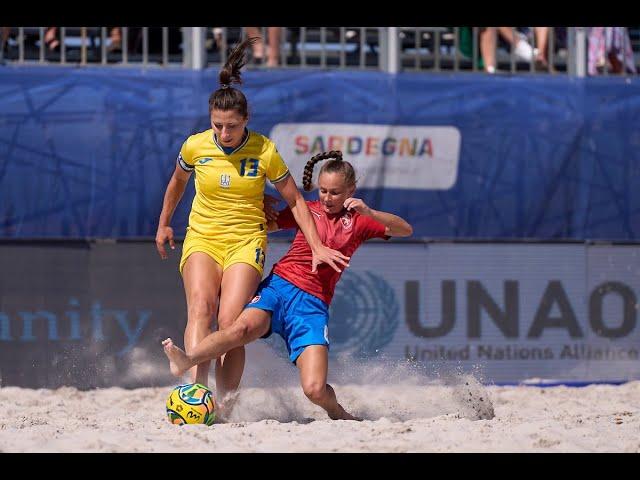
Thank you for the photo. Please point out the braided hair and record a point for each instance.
(335, 164)
(226, 97)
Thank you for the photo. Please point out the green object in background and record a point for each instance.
(465, 40)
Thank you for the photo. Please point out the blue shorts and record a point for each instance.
(297, 316)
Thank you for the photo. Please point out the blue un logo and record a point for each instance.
(363, 316)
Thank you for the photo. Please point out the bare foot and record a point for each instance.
(348, 416)
(541, 63)
(343, 415)
(225, 406)
(178, 360)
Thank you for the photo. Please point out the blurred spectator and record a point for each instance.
(115, 37)
(273, 48)
(51, 39)
(217, 39)
(542, 39)
(610, 50)
(488, 42)
(3, 41)
(518, 41)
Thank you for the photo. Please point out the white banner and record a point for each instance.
(384, 156)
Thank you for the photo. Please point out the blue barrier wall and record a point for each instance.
(88, 152)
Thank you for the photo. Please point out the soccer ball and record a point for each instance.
(191, 403)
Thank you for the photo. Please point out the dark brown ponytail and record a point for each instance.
(226, 97)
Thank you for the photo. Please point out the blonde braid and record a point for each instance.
(308, 169)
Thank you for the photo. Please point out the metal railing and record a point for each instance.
(390, 49)
(147, 46)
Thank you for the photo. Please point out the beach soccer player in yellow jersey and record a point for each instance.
(293, 302)
(226, 241)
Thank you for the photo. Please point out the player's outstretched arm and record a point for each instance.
(395, 226)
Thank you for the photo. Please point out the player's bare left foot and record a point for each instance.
(178, 360)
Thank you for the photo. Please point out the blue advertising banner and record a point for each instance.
(88, 152)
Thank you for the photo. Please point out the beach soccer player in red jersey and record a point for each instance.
(293, 300)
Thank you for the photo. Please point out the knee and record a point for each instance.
(240, 332)
(314, 390)
(201, 308)
(225, 321)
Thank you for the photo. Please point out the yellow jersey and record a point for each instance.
(229, 184)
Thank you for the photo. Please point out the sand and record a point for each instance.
(404, 413)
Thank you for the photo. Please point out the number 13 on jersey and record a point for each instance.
(252, 170)
(260, 256)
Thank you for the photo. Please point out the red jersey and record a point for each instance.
(344, 232)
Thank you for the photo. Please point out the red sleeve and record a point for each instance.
(286, 219)
(370, 228)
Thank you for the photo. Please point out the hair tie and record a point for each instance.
(224, 85)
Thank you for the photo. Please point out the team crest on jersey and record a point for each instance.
(255, 299)
(346, 220)
(225, 180)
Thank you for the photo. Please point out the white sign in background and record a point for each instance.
(384, 156)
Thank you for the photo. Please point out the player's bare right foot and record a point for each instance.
(178, 360)
(348, 416)
(342, 414)
(226, 404)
